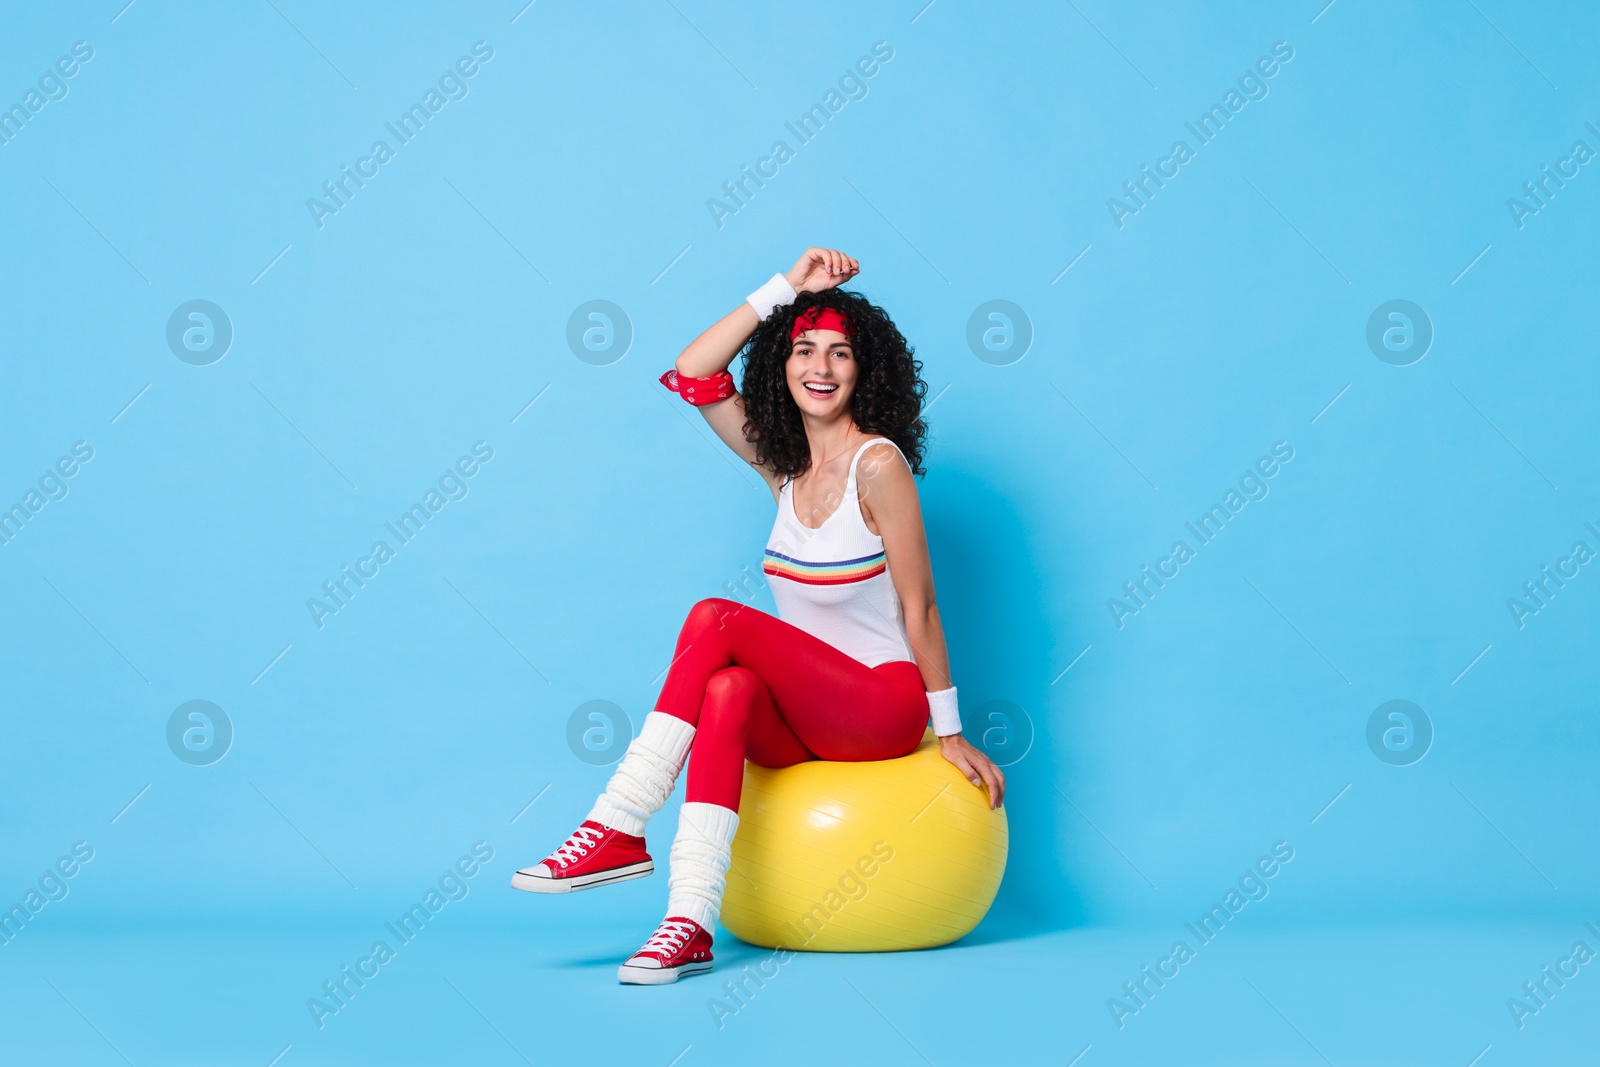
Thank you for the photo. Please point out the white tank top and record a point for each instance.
(833, 582)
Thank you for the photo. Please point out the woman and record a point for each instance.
(855, 663)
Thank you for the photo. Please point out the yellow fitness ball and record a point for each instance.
(863, 857)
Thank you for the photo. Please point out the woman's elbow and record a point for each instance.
(921, 611)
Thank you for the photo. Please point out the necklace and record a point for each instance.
(817, 467)
(829, 459)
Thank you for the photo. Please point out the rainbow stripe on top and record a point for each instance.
(840, 573)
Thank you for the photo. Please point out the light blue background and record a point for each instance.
(369, 354)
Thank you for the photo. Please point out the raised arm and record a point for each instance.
(816, 270)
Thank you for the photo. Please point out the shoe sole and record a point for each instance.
(659, 975)
(533, 884)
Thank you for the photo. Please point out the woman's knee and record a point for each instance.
(710, 615)
(733, 688)
(729, 696)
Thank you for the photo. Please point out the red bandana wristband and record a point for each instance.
(822, 318)
(700, 391)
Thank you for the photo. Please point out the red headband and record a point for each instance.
(821, 318)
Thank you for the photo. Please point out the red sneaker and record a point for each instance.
(594, 855)
(679, 947)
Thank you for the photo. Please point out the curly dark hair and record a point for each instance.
(887, 401)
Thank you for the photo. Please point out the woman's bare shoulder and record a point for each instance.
(881, 461)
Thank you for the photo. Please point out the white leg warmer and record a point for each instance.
(644, 779)
(700, 856)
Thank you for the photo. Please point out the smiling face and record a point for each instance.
(822, 373)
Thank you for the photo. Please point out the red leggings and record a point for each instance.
(755, 687)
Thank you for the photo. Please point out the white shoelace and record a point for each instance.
(669, 938)
(575, 846)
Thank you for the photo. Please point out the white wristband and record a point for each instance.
(944, 713)
(775, 293)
